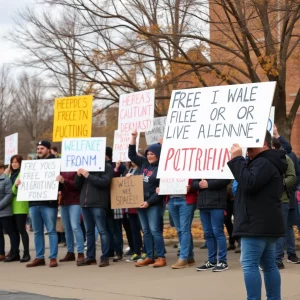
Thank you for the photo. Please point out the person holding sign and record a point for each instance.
(20, 208)
(151, 211)
(258, 214)
(44, 213)
(212, 200)
(6, 220)
(94, 200)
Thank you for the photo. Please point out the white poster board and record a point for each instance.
(38, 180)
(121, 145)
(157, 131)
(173, 186)
(271, 120)
(86, 153)
(11, 147)
(203, 123)
(136, 111)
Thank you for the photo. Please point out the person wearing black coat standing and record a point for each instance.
(258, 219)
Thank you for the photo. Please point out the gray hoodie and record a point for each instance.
(6, 196)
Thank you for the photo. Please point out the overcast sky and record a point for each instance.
(9, 8)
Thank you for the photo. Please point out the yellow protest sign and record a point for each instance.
(72, 117)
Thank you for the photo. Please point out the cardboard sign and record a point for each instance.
(157, 131)
(72, 117)
(136, 111)
(271, 120)
(11, 147)
(38, 180)
(121, 145)
(202, 125)
(127, 192)
(173, 186)
(88, 154)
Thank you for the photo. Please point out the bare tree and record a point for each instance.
(34, 109)
(128, 45)
(6, 98)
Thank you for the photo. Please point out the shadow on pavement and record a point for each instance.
(6, 295)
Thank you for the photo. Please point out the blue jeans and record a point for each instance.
(70, 215)
(213, 226)
(151, 222)
(114, 227)
(182, 215)
(44, 216)
(257, 251)
(289, 240)
(95, 216)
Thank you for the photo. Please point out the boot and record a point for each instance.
(70, 256)
(160, 262)
(87, 262)
(80, 258)
(145, 262)
(12, 257)
(36, 263)
(26, 257)
(2, 257)
(53, 263)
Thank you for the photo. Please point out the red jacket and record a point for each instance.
(69, 194)
(190, 197)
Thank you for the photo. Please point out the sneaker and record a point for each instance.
(145, 262)
(117, 258)
(159, 262)
(293, 258)
(133, 258)
(180, 264)
(280, 265)
(220, 267)
(207, 266)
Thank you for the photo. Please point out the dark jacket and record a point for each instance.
(53, 203)
(69, 194)
(6, 196)
(258, 209)
(149, 171)
(215, 196)
(95, 189)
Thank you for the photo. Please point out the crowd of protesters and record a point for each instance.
(258, 209)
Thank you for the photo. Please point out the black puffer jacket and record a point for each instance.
(95, 190)
(260, 186)
(215, 196)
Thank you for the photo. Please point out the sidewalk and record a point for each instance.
(123, 281)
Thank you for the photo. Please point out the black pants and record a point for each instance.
(20, 227)
(114, 228)
(127, 227)
(136, 233)
(7, 224)
(228, 222)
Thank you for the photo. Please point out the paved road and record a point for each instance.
(123, 281)
(6, 295)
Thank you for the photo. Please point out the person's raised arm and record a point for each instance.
(132, 154)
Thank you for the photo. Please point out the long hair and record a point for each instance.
(17, 157)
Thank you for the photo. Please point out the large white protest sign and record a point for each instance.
(38, 180)
(271, 120)
(173, 186)
(11, 147)
(202, 125)
(121, 145)
(157, 131)
(136, 111)
(86, 153)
